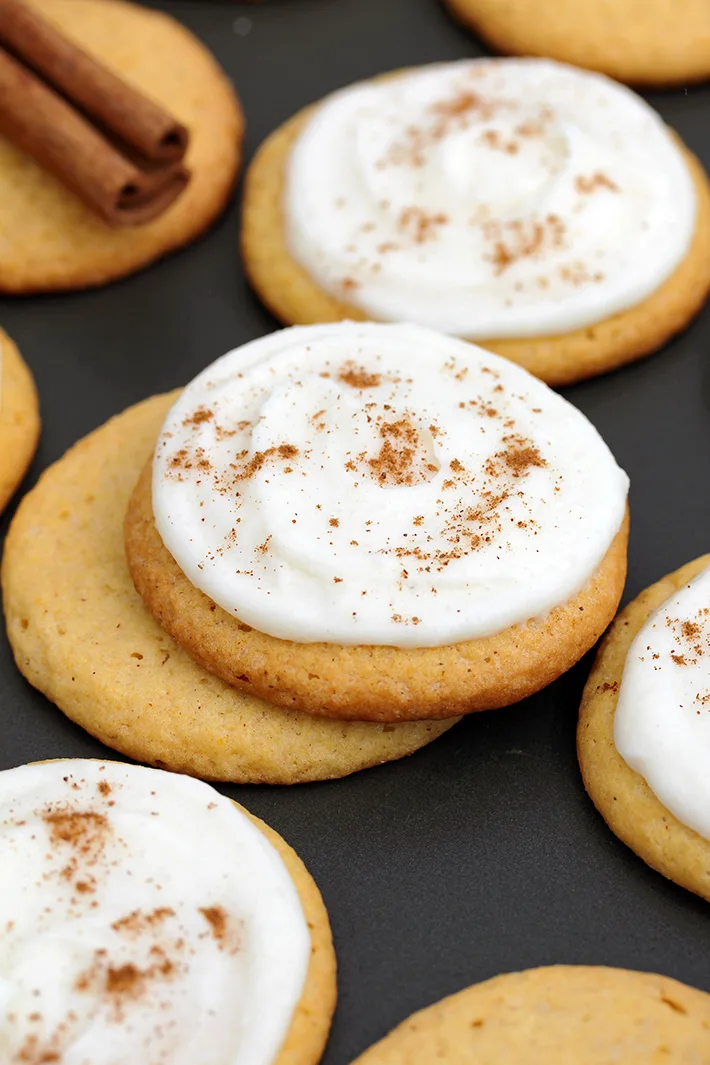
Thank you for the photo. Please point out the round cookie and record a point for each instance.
(369, 683)
(622, 796)
(81, 634)
(19, 418)
(51, 240)
(643, 42)
(294, 297)
(586, 1015)
(308, 1032)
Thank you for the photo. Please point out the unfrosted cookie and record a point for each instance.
(570, 253)
(19, 418)
(49, 240)
(564, 1014)
(81, 634)
(648, 695)
(129, 900)
(377, 522)
(644, 42)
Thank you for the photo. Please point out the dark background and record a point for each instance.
(481, 853)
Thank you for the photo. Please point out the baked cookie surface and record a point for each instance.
(644, 42)
(294, 296)
(622, 796)
(369, 683)
(19, 418)
(81, 634)
(585, 1015)
(50, 240)
(161, 932)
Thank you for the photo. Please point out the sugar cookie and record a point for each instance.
(378, 522)
(643, 735)
(19, 418)
(643, 42)
(50, 240)
(585, 1015)
(582, 244)
(81, 634)
(147, 917)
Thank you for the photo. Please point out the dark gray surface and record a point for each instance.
(481, 853)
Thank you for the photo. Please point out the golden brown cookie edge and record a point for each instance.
(620, 794)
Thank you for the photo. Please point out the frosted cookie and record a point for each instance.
(81, 634)
(146, 918)
(645, 42)
(644, 727)
(585, 1015)
(541, 211)
(49, 239)
(19, 418)
(378, 522)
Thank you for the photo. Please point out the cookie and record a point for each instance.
(112, 943)
(586, 1015)
(19, 418)
(51, 240)
(643, 42)
(80, 633)
(377, 522)
(646, 694)
(548, 259)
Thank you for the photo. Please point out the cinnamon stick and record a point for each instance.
(103, 96)
(45, 126)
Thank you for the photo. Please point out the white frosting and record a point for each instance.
(489, 198)
(144, 920)
(451, 497)
(662, 719)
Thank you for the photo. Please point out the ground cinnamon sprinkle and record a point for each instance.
(216, 918)
(137, 921)
(198, 417)
(356, 377)
(420, 225)
(80, 829)
(597, 180)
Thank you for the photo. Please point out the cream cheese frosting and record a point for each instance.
(144, 919)
(488, 198)
(662, 719)
(381, 484)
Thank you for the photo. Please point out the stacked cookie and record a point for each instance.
(370, 523)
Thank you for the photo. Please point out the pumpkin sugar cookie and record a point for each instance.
(643, 738)
(378, 522)
(582, 244)
(51, 241)
(643, 42)
(19, 418)
(81, 634)
(131, 936)
(580, 1014)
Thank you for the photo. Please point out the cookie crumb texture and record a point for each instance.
(50, 240)
(621, 795)
(19, 418)
(295, 298)
(565, 1014)
(81, 634)
(643, 42)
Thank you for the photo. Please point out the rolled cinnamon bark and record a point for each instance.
(101, 94)
(44, 125)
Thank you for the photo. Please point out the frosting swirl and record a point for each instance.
(381, 484)
(488, 198)
(662, 718)
(145, 918)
